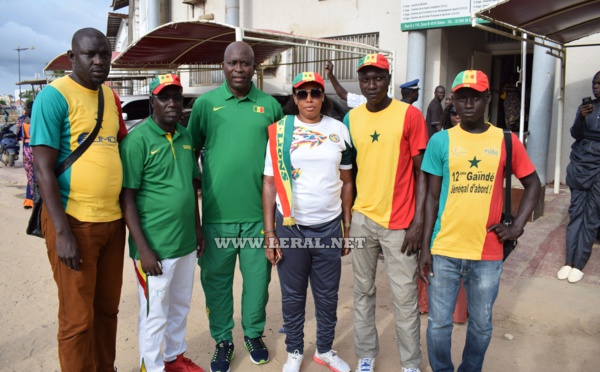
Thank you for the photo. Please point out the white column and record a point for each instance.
(415, 61)
(540, 108)
(232, 12)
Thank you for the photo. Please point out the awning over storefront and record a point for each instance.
(36, 84)
(559, 21)
(118, 4)
(203, 42)
(113, 25)
(33, 82)
(62, 62)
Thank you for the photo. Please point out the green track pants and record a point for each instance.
(224, 243)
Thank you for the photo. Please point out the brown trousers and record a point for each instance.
(88, 300)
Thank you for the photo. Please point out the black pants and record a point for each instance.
(582, 230)
(305, 260)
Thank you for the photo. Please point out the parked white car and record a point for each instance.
(137, 108)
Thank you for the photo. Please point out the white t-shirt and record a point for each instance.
(355, 100)
(318, 152)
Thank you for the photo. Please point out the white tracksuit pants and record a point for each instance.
(164, 306)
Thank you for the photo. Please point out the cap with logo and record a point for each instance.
(473, 79)
(413, 84)
(374, 60)
(162, 81)
(307, 77)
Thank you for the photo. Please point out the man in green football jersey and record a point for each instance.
(230, 123)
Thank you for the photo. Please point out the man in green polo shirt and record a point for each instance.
(230, 123)
(160, 204)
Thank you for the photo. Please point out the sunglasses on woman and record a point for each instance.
(453, 112)
(315, 93)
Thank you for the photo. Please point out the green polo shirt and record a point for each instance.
(161, 168)
(234, 135)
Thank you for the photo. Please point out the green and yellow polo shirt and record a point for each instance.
(161, 168)
(63, 116)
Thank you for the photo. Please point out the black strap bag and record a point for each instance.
(507, 217)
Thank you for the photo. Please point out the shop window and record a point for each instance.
(206, 75)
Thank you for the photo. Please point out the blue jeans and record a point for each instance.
(481, 281)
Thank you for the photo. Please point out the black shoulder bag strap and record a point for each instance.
(508, 174)
(60, 168)
(507, 218)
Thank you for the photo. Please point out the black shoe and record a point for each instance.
(222, 357)
(258, 350)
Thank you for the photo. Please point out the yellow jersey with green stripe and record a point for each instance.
(472, 169)
(63, 115)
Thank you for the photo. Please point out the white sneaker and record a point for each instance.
(575, 275)
(563, 273)
(410, 369)
(332, 360)
(293, 362)
(365, 365)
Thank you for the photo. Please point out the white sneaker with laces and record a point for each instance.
(293, 363)
(575, 275)
(365, 365)
(410, 369)
(331, 360)
(563, 273)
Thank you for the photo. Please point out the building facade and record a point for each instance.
(434, 55)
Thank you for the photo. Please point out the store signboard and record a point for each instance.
(424, 14)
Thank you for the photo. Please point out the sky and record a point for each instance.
(48, 25)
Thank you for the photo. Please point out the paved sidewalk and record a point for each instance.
(541, 324)
(541, 249)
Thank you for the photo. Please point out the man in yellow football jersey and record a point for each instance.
(389, 137)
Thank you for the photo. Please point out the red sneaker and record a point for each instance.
(182, 364)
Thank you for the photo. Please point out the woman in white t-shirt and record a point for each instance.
(308, 192)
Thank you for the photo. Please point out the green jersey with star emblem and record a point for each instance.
(234, 135)
(472, 170)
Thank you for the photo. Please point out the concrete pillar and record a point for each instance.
(540, 109)
(130, 25)
(415, 62)
(165, 12)
(152, 15)
(232, 12)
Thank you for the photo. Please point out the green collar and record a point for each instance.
(159, 131)
(252, 94)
